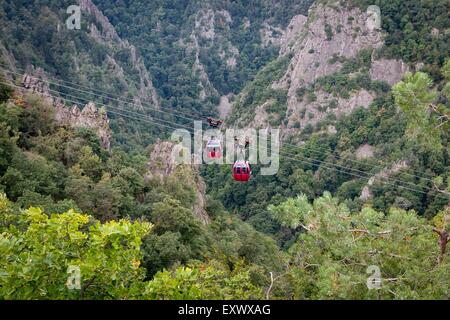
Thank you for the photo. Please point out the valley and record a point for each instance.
(88, 176)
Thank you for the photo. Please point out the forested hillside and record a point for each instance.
(216, 45)
(64, 171)
(87, 176)
(365, 143)
(93, 64)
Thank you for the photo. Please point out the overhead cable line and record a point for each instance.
(286, 155)
(307, 148)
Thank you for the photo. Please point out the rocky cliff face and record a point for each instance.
(313, 47)
(320, 45)
(162, 164)
(294, 28)
(108, 32)
(88, 116)
(389, 70)
(33, 83)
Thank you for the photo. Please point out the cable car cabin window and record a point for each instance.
(213, 144)
(244, 170)
(238, 170)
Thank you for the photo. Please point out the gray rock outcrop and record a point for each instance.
(87, 117)
(162, 164)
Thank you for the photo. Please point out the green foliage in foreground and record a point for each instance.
(37, 250)
(331, 255)
(211, 281)
(329, 259)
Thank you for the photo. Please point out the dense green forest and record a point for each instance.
(65, 171)
(158, 26)
(306, 232)
(141, 239)
(381, 126)
(409, 31)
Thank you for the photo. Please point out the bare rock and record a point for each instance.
(162, 164)
(35, 83)
(224, 106)
(261, 115)
(364, 151)
(108, 31)
(331, 130)
(306, 112)
(388, 70)
(271, 35)
(204, 23)
(419, 66)
(312, 48)
(373, 21)
(247, 23)
(294, 29)
(88, 117)
(328, 31)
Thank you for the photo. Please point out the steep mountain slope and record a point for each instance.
(199, 51)
(330, 93)
(162, 169)
(95, 56)
(333, 68)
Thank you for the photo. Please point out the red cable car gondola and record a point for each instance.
(214, 149)
(242, 171)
